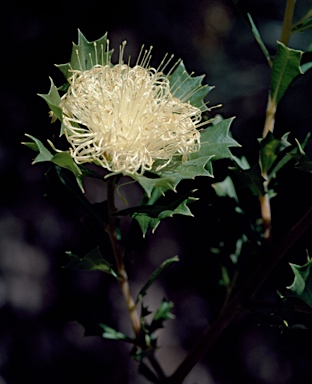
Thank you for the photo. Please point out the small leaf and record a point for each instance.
(302, 284)
(162, 313)
(44, 153)
(270, 148)
(286, 66)
(53, 100)
(251, 179)
(154, 276)
(226, 188)
(110, 333)
(304, 23)
(92, 261)
(259, 40)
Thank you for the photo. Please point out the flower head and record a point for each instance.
(124, 118)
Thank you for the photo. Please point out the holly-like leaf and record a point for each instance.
(226, 188)
(36, 145)
(188, 88)
(165, 264)
(112, 334)
(302, 284)
(92, 261)
(270, 149)
(216, 141)
(162, 313)
(149, 221)
(286, 66)
(215, 144)
(53, 100)
(251, 179)
(61, 158)
(86, 55)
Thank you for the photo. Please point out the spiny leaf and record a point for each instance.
(216, 141)
(270, 149)
(162, 313)
(225, 188)
(302, 284)
(62, 158)
(86, 54)
(44, 153)
(92, 261)
(286, 66)
(188, 88)
(148, 221)
(165, 264)
(110, 333)
(251, 179)
(53, 100)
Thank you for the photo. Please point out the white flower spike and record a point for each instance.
(124, 118)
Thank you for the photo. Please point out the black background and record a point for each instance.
(42, 306)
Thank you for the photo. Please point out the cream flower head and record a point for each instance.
(124, 118)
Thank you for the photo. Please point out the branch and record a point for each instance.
(237, 305)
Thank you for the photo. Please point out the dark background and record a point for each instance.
(42, 305)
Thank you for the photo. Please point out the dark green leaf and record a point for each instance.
(92, 261)
(188, 88)
(286, 66)
(86, 54)
(270, 148)
(304, 23)
(251, 179)
(302, 284)
(162, 313)
(155, 275)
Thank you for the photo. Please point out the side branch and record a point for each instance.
(237, 305)
(124, 283)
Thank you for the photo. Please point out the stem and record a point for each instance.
(237, 305)
(121, 270)
(288, 16)
(265, 205)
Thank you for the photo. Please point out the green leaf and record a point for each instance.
(187, 88)
(86, 54)
(165, 264)
(226, 188)
(62, 159)
(270, 148)
(251, 179)
(258, 38)
(216, 141)
(53, 100)
(44, 153)
(112, 334)
(92, 261)
(162, 313)
(302, 284)
(304, 23)
(150, 221)
(286, 66)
